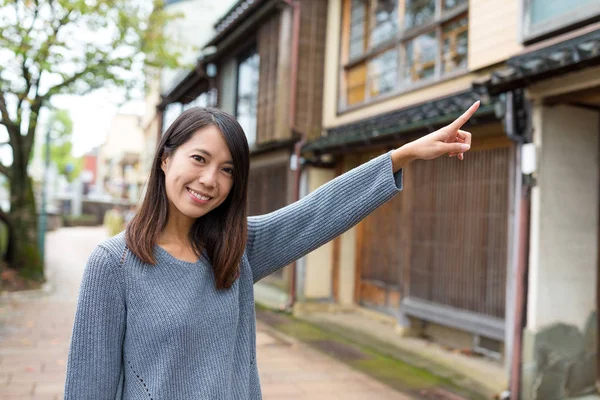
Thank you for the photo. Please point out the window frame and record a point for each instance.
(398, 42)
(241, 57)
(555, 26)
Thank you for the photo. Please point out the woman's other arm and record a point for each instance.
(95, 355)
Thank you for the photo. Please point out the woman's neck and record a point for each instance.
(177, 229)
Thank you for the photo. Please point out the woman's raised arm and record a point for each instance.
(278, 238)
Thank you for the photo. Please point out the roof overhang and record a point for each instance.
(408, 122)
(232, 29)
(195, 82)
(568, 55)
(242, 19)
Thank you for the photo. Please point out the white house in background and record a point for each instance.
(119, 159)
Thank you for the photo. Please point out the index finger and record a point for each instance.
(460, 121)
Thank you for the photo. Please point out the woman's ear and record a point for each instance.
(163, 163)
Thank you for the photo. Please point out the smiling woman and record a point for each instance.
(166, 308)
(193, 176)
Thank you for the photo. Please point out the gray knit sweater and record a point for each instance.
(164, 332)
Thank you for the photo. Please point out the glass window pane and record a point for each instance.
(386, 22)
(450, 4)
(543, 10)
(383, 72)
(357, 28)
(247, 95)
(419, 12)
(455, 40)
(356, 48)
(420, 57)
(356, 78)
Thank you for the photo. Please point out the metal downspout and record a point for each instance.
(295, 4)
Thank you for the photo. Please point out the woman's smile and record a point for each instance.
(198, 197)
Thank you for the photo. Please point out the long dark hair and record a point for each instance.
(223, 231)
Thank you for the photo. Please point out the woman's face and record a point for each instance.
(199, 174)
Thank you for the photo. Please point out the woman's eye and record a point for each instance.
(198, 158)
(228, 171)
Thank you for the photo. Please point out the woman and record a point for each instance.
(166, 308)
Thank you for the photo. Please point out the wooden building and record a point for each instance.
(264, 66)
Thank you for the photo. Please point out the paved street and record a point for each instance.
(35, 329)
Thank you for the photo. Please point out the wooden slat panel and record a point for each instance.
(309, 95)
(268, 42)
(444, 238)
(267, 188)
(381, 255)
(459, 241)
(267, 192)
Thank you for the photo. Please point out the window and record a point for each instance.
(392, 49)
(454, 44)
(419, 12)
(542, 17)
(385, 22)
(357, 28)
(247, 94)
(420, 57)
(383, 72)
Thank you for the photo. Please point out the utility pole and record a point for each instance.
(43, 217)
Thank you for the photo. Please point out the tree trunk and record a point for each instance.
(25, 255)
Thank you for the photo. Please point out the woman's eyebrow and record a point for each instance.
(206, 153)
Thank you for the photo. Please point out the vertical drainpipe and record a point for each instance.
(523, 242)
(521, 289)
(295, 4)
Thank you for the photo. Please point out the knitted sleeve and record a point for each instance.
(95, 355)
(278, 238)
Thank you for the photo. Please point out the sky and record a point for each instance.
(92, 115)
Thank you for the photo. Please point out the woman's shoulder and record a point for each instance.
(111, 249)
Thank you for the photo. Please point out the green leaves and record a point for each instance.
(61, 144)
(51, 47)
(75, 46)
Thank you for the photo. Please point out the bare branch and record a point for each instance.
(6, 121)
(66, 83)
(33, 120)
(51, 40)
(4, 170)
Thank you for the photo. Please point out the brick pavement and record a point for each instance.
(35, 329)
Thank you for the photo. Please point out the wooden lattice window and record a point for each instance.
(385, 22)
(421, 57)
(454, 44)
(378, 57)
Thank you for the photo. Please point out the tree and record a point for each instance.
(53, 47)
(61, 145)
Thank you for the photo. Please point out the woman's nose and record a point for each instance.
(208, 178)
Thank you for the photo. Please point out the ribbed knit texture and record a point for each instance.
(163, 331)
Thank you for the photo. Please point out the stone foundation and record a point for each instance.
(559, 361)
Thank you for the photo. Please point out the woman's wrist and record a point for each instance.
(401, 157)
